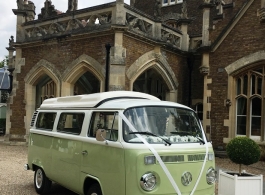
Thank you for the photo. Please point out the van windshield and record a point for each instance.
(162, 124)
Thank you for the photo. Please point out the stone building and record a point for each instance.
(206, 54)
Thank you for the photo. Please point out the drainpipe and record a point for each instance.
(107, 46)
(190, 62)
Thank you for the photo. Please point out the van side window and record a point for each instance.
(71, 123)
(45, 121)
(107, 121)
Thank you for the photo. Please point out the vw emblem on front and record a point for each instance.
(186, 178)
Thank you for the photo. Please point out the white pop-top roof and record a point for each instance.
(93, 100)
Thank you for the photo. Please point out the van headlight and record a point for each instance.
(148, 181)
(211, 176)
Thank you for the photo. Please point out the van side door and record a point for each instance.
(104, 160)
(67, 144)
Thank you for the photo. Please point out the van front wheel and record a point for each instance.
(94, 190)
(41, 182)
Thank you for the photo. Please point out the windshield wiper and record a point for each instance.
(149, 133)
(201, 140)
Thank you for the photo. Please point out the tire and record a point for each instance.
(41, 182)
(94, 190)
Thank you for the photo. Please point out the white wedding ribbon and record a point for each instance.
(204, 162)
(162, 164)
(173, 183)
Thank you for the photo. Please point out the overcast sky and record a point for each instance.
(8, 19)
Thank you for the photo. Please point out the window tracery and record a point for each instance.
(249, 102)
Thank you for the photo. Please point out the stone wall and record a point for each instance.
(60, 55)
(246, 38)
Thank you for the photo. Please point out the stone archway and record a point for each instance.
(79, 69)
(157, 63)
(43, 69)
(245, 61)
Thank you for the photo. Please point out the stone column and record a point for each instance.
(68, 89)
(24, 13)
(11, 50)
(262, 3)
(30, 107)
(206, 7)
(118, 52)
(157, 30)
(21, 137)
(185, 36)
(10, 64)
(205, 66)
(172, 96)
(119, 15)
(20, 35)
(117, 63)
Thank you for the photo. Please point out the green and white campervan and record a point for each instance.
(120, 143)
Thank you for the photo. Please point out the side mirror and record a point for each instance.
(101, 135)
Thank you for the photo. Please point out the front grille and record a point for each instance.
(172, 159)
(196, 157)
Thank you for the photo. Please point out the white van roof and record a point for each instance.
(93, 100)
(129, 103)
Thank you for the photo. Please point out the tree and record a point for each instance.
(4, 62)
(243, 150)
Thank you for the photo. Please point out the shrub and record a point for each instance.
(243, 150)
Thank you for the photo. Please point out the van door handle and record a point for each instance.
(84, 152)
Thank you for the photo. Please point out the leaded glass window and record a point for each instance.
(249, 103)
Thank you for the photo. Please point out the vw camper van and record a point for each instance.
(120, 143)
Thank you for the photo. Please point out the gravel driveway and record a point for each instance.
(14, 180)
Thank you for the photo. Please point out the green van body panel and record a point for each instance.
(106, 162)
(136, 168)
(39, 152)
(66, 161)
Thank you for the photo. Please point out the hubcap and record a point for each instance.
(39, 178)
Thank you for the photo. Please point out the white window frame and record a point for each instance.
(168, 3)
(172, 3)
(246, 91)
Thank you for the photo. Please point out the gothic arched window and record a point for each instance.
(249, 102)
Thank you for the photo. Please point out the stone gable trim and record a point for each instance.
(245, 61)
(156, 61)
(42, 67)
(231, 25)
(84, 62)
